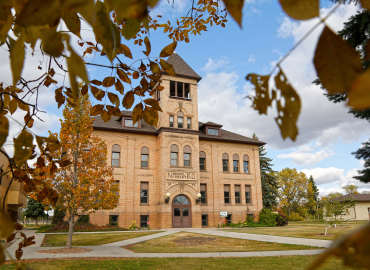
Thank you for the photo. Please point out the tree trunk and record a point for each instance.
(70, 230)
(36, 221)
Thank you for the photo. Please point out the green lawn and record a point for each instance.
(258, 263)
(60, 240)
(184, 242)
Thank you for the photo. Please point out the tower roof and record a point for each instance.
(182, 69)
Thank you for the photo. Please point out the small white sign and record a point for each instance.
(223, 214)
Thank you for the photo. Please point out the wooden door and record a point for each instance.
(181, 212)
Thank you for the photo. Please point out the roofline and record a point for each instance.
(184, 76)
(177, 130)
(230, 141)
(138, 131)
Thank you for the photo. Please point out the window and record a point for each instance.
(187, 90)
(187, 155)
(246, 163)
(189, 122)
(203, 193)
(237, 193)
(180, 119)
(144, 192)
(229, 218)
(204, 220)
(174, 155)
(179, 89)
(236, 163)
(113, 220)
(144, 220)
(213, 131)
(227, 193)
(171, 120)
(130, 123)
(248, 194)
(172, 88)
(144, 157)
(116, 151)
(202, 161)
(225, 162)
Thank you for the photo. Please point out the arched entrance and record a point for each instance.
(181, 212)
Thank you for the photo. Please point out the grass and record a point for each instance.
(60, 240)
(184, 242)
(257, 263)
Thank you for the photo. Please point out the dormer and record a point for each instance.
(211, 129)
(126, 121)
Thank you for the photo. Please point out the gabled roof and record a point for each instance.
(356, 197)
(182, 69)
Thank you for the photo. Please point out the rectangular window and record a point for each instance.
(173, 159)
(171, 120)
(130, 123)
(144, 192)
(213, 131)
(180, 89)
(187, 160)
(229, 218)
(202, 164)
(172, 88)
(144, 219)
(144, 160)
(227, 193)
(203, 193)
(245, 165)
(237, 193)
(248, 194)
(225, 165)
(187, 90)
(180, 122)
(204, 220)
(236, 165)
(189, 123)
(115, 159)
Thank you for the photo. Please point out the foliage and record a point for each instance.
(80, 227)
(333, 195)
(351, 189)
(85, 219)
(281, 220)
(59, 215)
(112, 223)
(34, 209)
(295, 216)
(266, 219)
(312, 196)
(133, 226)
(338, 207)
(364, 153)
(268, 178)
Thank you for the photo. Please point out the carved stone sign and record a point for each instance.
(180, 176)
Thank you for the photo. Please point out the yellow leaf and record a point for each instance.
(262, 99)
(96, 110)
(168, 50)
(128, 100)
(22, 105)
(52, 42)
(28, 120)
(7, 225)
(235, 8)
(4, 129)
(113, 98)
(22, 148)
(137, 112)
(150, 116)
(105, 31)
(359, 94)
(105, 116)
(13, 104)
(108, 81)
(125, 50)
(96, 82)
(168, 68)
(72, 22)
(135, 75)
(39, 12)
(153, 103)
(301, 9)
(287, 114)
(154, 67)
(83, 7)
(119, 87)
(147, 45)
(337, 63)
(123, 76)
(114, 110)
(6, 19)
(6, 99)
(17, 58)
(97, 93)
(131, 28)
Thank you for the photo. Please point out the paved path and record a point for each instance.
(115, 249)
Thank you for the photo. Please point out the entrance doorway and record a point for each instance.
(181, 212)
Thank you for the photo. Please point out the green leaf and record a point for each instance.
(150, 116)
(131, 28)
(72, 22)
(39, 12)
(4, 129)
(168, 68)
(128, 100)
(168, 50)
(17, 58)
(235, 8)
(337, 63)
(153, 103)
(262, 100)
(22, 148)
(302, 9)
(359, 95)
(137, 112)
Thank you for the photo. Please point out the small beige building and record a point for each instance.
(361, 211)
(182, 173)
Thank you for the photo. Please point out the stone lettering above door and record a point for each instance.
(181, 176)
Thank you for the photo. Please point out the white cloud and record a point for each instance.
(213, 64)
(287, 28)
(251, 59)
(304, 155)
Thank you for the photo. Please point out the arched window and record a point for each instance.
(187, 156)
(236, 162)
(180, 119)
(116, 152)
(225, 162)
(144, 157)
(174, 155)
(246, 163)
(202, 161)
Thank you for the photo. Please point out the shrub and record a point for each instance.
(83, 227)
(267, 218)
(281, 220)
(295, 217)
(59, 215)
(84, 219)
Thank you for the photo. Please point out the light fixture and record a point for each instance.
(198, 199)
(168, 197)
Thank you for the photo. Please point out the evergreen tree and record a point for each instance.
(268, 179)
(34, 209)
(312, 196)
(314, 188)
(357, 32)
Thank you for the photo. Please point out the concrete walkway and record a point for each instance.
(115, 249)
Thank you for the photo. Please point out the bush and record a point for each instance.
(267, 218)
(84, 219)
(295, 217)
(281, 220)
(82, 227)
(58, 217)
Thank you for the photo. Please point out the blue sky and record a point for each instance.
(223, 57)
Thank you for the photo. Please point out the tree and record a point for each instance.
(364, 153)
(292, 189)
(333, 195)
(338, 207)
(34, 209)
(365, 192)
(312, 196)
(351, 189)
(268, 179)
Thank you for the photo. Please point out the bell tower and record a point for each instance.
(179, 98)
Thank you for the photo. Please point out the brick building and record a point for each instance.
(182, 173)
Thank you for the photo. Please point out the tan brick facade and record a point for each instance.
(130, 174)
